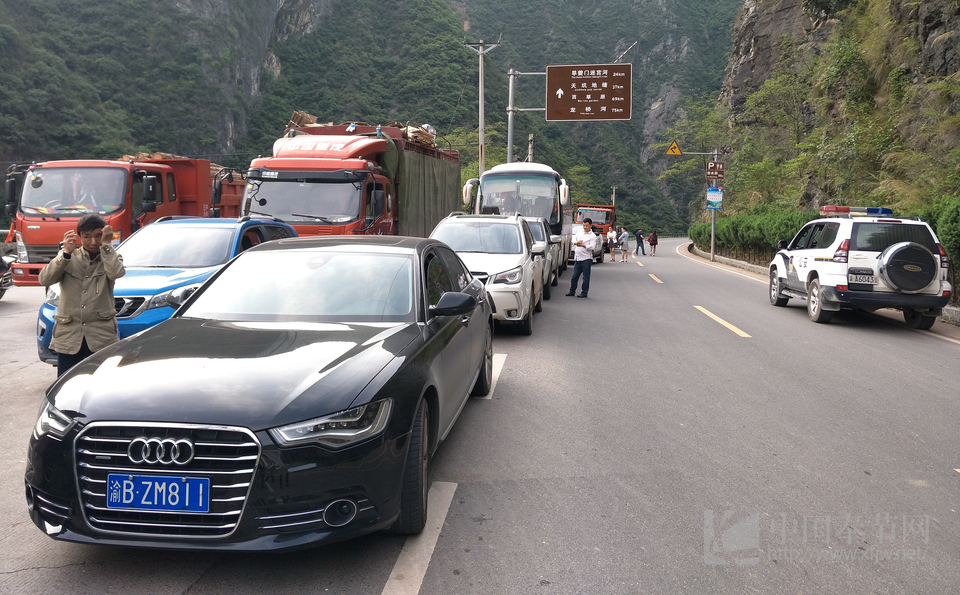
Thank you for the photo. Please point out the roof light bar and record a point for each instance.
(833, 210)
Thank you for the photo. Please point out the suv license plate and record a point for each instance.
(862, 279)
(157, 492)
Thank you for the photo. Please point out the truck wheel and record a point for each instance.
(776, 298)
(413, 491)
(917, 320)
(815, 304)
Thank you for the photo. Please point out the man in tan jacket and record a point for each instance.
(86, 320)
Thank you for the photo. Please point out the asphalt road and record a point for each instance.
(672, 433)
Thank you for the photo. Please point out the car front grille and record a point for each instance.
(128, 307)
(226, 455)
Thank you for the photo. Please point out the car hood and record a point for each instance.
(491, 264)
(154, 280)
(255, 375)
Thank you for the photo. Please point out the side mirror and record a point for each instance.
(556, 239)
(454, 303)
(10, 191)
(214, 213)
(217, 192)
(468, 189)
(148, 207)
(539, 249)
(150, 184)
(782, 245)
(564, 192)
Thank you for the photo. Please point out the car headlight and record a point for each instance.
(52, 421)
(337, 430)
(53, 295)
(511, 276)
(179, 295)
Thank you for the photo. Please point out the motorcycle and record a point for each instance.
(6, 275)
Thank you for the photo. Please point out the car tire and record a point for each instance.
(413, 491)
(481, 387)
(908, 267)
(546, 290)
(599, 259)
(918, 320)
(556, 278)
(776, 298)
(815, 304)
(526, 326)
(538, 307)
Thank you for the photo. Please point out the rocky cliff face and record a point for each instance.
(252, 26)
(757, 34)
(936, 26)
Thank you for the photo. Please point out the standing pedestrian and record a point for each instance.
(639, 236)
(653, 243)
(86, 320)
(624, 241)
(584, 243)
(612, 243)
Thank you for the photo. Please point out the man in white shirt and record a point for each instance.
(585, 241)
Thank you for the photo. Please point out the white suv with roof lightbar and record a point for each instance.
(863, 257)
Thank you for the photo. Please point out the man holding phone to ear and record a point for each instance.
(86, 319)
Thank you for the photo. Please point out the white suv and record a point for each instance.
(499, 250)
(869, 262)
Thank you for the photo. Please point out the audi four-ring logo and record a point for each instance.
(160, 451)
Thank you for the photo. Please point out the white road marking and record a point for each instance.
(498, 359)
(681, 250)
(411, 566)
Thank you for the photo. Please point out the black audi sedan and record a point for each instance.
(294, 399)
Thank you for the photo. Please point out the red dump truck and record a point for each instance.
(44, 200)
(354, 179)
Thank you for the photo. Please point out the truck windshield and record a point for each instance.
(73, 191)
(529, 195)
(598, 217)
(320, 201)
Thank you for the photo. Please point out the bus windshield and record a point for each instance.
(302, 201)
(526, 194)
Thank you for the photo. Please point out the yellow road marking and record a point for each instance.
(722, 321)
(957, 470)
(654, 277)
(640, 263)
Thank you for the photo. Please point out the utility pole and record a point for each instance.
(530, 148)
(512, 109)
(613, 199)
(481, 49)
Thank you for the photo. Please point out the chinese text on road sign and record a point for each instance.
(589, 92)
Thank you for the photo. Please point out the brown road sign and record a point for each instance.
(674, 149)
(715, 170)
(577, 92)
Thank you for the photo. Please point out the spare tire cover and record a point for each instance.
(908, 267)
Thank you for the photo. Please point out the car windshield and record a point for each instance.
(491, 237)
(311, 286)
(526, 194)
(318, 201)
(877, 237)
(177, 246)
(74, 191)
(537, 230)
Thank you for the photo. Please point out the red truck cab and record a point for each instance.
(45, 200)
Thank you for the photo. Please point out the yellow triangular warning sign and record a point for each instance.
(674, 149)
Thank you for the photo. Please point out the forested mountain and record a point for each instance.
(219, 78)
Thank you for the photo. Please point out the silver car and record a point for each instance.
(500, 250)
(551, 245)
